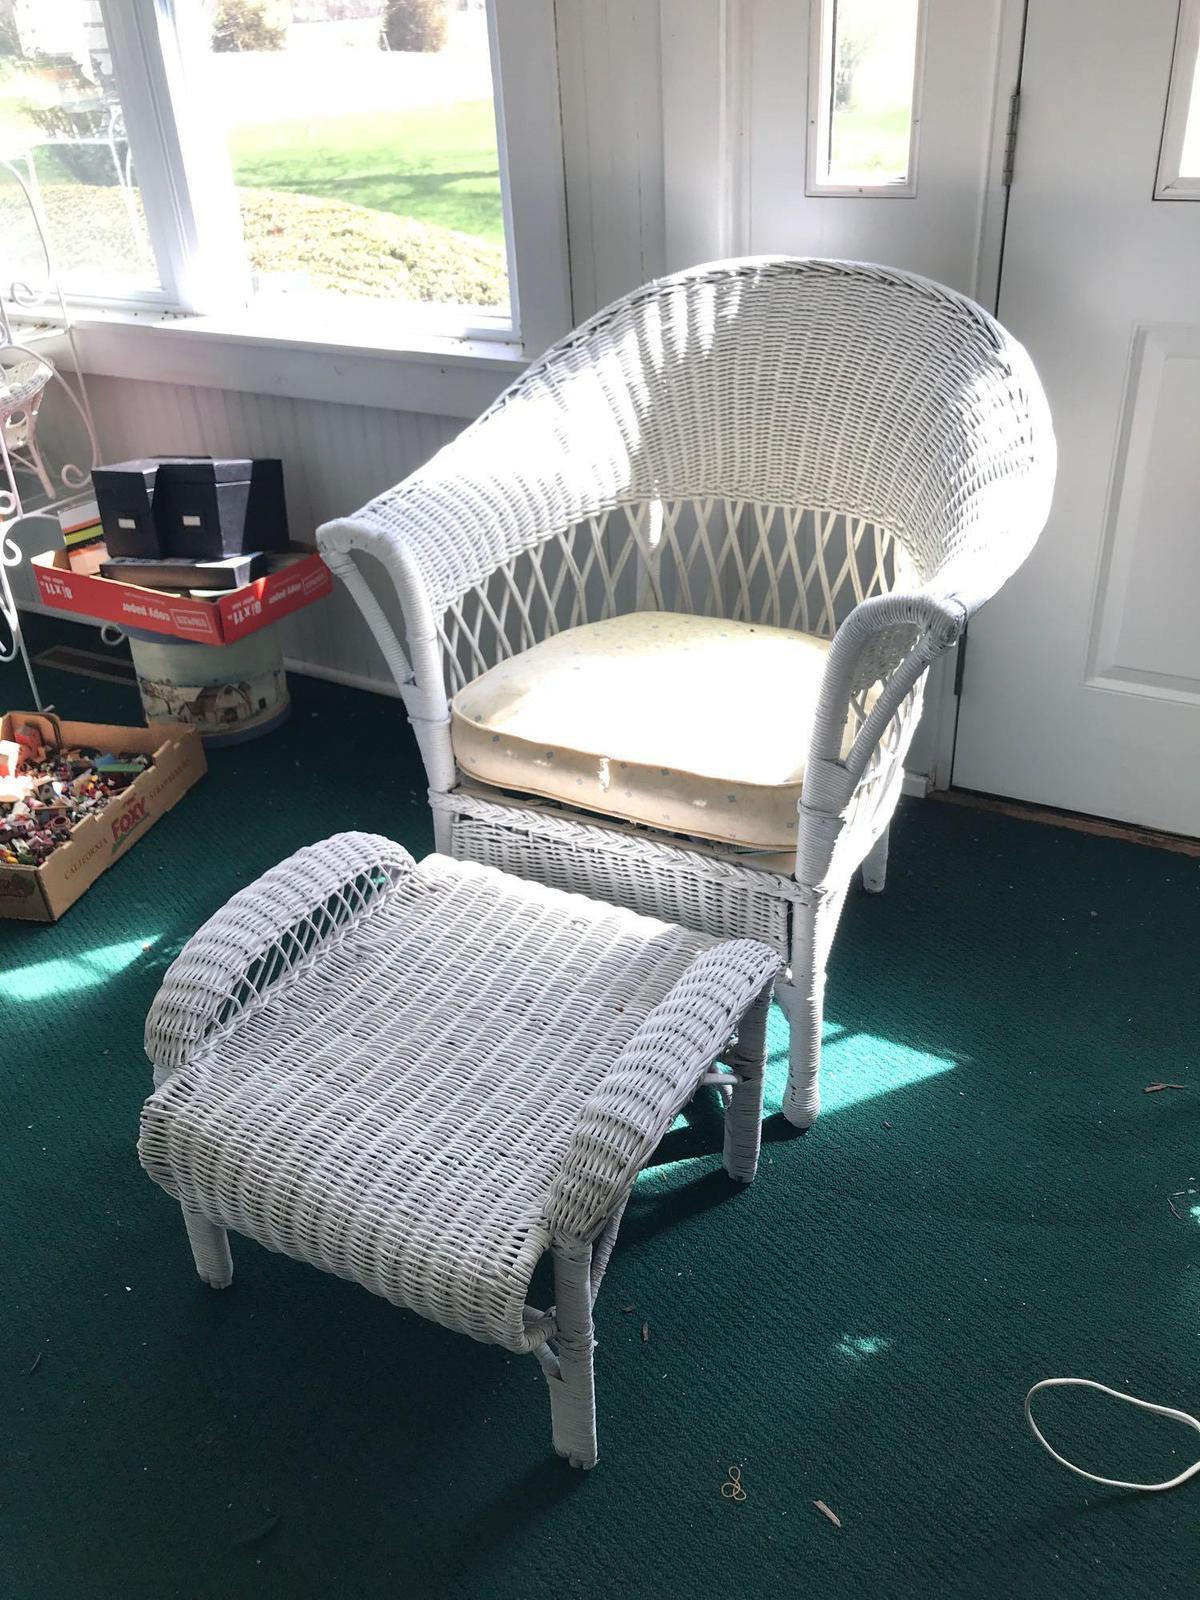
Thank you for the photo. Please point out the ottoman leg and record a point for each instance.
(572, 1387)
(743, 1114)
(210, 1248)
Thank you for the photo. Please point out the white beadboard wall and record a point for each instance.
(335, 458)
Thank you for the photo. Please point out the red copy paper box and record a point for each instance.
(220, 620)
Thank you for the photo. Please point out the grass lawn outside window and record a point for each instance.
(359, 172)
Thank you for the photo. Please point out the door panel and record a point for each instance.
(943, 229)
(1145, 635)
(1082, 681)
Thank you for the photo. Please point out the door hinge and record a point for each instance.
(1010, 138)
(960, 662)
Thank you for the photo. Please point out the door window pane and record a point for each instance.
(864, 106)
(1179, 158)
(362, 143)
(63, 129)
(1189, 161)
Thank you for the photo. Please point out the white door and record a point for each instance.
(1081, 683)
(872, 130)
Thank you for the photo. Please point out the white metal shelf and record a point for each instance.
(38, 359)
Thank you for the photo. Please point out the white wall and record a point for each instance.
(610, 72)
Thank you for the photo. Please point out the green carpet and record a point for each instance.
(984, 1203)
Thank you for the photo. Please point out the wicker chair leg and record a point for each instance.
(743, 1113)
(210, 1248)
(874, 868)
(572, 1387)
(802, 1097)
(443, 831)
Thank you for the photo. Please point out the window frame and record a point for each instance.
(822, 21)
(195, 231)
(1169, 182)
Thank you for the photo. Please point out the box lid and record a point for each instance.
(210, 471)
(146, 466)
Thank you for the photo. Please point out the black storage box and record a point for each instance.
(125, 498)
(207, 510)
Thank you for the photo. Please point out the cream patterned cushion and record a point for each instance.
(691, 724)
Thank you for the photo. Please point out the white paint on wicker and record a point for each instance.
(423, 1078)
(847, 448)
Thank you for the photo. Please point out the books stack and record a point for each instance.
(83, 535)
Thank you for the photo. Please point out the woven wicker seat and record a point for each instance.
(423, 1078)
(840, 449)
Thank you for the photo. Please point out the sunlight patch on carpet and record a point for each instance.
(857, 1346)
(41, 979)
(854, 1067)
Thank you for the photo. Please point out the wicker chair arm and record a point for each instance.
(265, 935)
(656, 1073)
(449, 526)
(891, 639)
(455, 521)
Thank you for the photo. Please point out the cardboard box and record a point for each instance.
(42, 894)
(219, 620)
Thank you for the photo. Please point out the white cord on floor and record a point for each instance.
(1116, 1394)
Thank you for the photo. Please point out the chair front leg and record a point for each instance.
(802, 1097)
(813, 929)
(573, 1385)
(743, 1113)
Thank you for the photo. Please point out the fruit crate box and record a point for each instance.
(219, 620)
(42, 894)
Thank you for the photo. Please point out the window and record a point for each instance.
(1179, 162)
(63, 136)
(864, 97)
(353, 171)
(361, 140)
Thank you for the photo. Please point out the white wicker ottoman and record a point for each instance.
(424, 1077)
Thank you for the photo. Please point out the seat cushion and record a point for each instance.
(691, 724)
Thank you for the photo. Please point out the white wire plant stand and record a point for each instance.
(39, 361)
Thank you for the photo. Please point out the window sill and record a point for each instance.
(435, 374)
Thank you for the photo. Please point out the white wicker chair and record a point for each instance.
(842, 449)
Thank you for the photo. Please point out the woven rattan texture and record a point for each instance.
(465, 1072)
(706, 893)
(821, 384)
